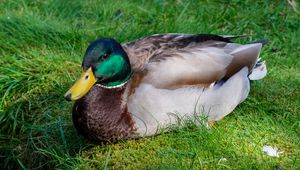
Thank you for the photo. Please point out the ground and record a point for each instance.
(42, 44)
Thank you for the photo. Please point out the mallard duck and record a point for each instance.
(133, 90)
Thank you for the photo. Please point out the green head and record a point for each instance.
(105, 63)
(109, 62)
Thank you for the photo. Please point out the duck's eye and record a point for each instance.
(102, 58)
(105, 56)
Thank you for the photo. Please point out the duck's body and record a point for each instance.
(171, 77)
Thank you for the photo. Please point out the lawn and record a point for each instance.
(41, 47)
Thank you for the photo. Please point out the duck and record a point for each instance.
(143, 87)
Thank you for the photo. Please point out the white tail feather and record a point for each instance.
(259, 71)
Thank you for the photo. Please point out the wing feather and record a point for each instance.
(171, 61)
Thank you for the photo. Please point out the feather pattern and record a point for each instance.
(154, 108)
(180, 72)
(174, 75)
(183, 59)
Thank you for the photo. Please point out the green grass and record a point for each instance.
(41, 47)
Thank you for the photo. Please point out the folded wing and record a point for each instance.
(172, 61)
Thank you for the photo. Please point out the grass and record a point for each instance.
(41, 47)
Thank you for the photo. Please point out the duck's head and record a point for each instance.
(105, 63)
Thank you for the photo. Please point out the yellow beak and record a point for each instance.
(82, 86)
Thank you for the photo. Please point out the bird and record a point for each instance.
(145, 86)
